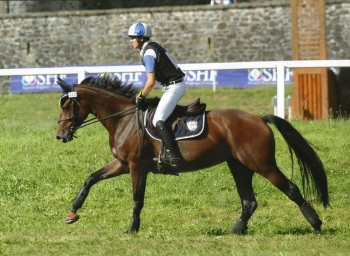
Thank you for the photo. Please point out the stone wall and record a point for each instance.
(192, 34)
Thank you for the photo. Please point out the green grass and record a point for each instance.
(186, 215)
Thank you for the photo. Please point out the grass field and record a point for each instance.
(186, 215)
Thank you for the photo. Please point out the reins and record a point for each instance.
(95, 119)
(138, 131)
(73, 95)
(122, 113)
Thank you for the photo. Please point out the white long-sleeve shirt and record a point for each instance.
(223, 2)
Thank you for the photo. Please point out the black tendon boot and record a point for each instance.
(172, 156)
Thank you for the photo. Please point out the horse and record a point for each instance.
(244, 141)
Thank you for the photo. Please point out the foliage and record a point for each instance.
(186, 215)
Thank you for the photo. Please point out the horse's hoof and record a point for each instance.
(128, 232)
(71, 218)
(317, 232)
(240, 228)
(317, 227)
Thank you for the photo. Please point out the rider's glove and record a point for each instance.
(139, 100)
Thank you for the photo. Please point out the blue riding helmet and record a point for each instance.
(140, 30)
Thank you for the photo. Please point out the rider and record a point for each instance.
(161, 68)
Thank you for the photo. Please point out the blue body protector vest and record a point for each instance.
(165, 71)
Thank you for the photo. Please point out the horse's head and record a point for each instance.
(72, 112)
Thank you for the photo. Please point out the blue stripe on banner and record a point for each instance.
(222, 78)
(39, 83)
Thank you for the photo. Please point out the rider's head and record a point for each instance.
(139, 33)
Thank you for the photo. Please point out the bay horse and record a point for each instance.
(244, 141)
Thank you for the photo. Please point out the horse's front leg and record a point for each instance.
(138, 179)
(112, 169)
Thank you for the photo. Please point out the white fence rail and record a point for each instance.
(279, 65)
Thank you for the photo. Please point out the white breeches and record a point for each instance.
(171, 96)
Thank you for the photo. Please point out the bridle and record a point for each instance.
(72, 129)
(74, 102)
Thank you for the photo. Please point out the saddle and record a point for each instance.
(186, 121)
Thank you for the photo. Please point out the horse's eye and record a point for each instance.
(65, 109)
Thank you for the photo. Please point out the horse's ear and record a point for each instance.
(65, 87)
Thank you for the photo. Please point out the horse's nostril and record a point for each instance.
(58, 137)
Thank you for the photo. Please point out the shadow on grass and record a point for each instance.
(293, 231)
(216, 232)
(296, 231)
(251, 232)
(306, 231)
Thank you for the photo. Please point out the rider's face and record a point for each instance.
(134, 42)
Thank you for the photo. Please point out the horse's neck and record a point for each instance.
(103, 104)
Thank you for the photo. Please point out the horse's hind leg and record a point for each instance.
(279, 180)
(112, 169)
(243, 178)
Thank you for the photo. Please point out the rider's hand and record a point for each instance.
(139, 100)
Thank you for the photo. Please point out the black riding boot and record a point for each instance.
(172, 156)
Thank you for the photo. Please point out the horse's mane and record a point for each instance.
(114, 85)
(111, 84)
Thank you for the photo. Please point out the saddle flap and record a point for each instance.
(186, 121)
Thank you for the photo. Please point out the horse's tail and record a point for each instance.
(311, 166)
